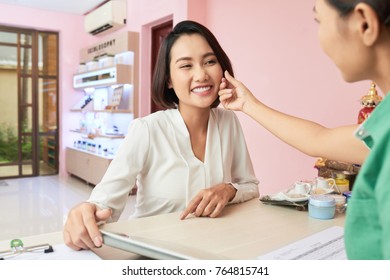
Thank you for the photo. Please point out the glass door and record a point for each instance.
(28, 102)
(47, 95)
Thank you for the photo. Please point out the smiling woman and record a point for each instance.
(194, 78)
(191, 157)
(162, 93)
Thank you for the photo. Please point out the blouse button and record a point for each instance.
(361, 133)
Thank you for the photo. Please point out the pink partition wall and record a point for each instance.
(274, 49)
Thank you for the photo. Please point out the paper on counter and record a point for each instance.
(324, 245)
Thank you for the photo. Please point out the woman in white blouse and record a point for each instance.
(191, 157)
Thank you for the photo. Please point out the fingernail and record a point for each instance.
(98, 241)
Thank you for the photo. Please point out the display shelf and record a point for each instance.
(115, 75)
(96, 135)
(109, 104)
(110, 157)
(116, 111)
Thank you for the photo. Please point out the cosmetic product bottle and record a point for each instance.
(322, 207)
(342, 182)
(369, 102)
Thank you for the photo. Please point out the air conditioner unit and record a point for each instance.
(106, 18)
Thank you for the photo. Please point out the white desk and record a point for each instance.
(243, 231)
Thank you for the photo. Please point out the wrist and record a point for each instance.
(232, 191)
(249, 105)
(252, 107)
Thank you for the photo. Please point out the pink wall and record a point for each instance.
(72, 38)
(274, 50)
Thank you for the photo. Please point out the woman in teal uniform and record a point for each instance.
(355, 34)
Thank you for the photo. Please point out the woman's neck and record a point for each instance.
(196, 119)
(383, 82)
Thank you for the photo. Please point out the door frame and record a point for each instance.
(35, 133)
(146, 66)
(156, 31)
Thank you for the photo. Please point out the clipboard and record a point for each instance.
(18, 248)
(155, 249)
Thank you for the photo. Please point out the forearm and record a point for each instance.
(309, 137)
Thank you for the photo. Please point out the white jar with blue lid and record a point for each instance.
(322, 207)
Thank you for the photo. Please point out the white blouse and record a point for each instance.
(157, 156)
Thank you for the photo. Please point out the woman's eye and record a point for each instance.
(185, 66)
(211, 62)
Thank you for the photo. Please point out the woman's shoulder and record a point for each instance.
(158, 118)
(226, 121)
(223, 114)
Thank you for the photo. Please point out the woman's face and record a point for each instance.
(195, 72)
(339, 41)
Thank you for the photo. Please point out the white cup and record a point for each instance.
(302, 188)
(325, 183)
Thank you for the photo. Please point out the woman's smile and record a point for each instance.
(202, 90)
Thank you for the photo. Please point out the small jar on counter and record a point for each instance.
(322, 207)
(340, 202)
(342, 182)
(347, 195)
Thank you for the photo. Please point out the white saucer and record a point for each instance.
(319, 191)
(296, 197)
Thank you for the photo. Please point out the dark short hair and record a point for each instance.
(161, 94)
(381, 7)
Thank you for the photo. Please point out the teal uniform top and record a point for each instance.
(367, 226)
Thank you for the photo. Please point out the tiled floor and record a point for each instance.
(37, 205)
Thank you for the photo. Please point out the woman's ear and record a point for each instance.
(368, 23)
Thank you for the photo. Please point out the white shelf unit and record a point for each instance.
(100, 114)
(116, 75)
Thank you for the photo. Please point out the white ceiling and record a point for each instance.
(78, 7)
